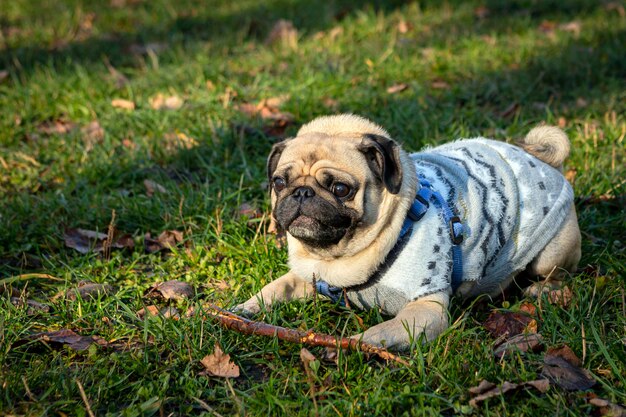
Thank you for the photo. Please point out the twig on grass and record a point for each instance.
(245, 326)
(84, 397)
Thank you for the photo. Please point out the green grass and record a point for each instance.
(59, 57)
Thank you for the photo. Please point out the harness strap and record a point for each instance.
(418, 209)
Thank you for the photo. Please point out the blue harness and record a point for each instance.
(418, 209)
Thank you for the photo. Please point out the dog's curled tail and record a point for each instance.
(548, 143)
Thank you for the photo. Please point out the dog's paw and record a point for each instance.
(247, 309)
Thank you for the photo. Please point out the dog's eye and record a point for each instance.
(279, 184)
(340, 189)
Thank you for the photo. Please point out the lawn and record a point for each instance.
(136, 117)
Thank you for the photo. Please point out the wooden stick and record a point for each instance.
(242, 325)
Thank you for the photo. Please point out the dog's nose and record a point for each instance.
(303, 193)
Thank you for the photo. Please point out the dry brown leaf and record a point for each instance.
(161, 102)
(219, 364)
(149, 311)
(506, 323)
(32, 307)
(616, 5)
(331, 103)
(558, 368)
(481, 12)
(87, 289)
(179, 140)
(487, 389)
(170, 290)
(4, 74)
(85, 241)
(248, 211)
(92, 133)
(153, 187)
(120, 103)
(607, 408)
(494, 392)
(566, 353)
(570, 175)
(547, 26)
(69, 338)
(284, 34)
(439, 85)
(396, 88)
(561, 297)
(58, 127)
(165, 241)
(483, 386)
(573, 27)
(519, 343)
(528, 308)
(404, 27)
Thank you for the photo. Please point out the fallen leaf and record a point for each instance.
(566, 374)
(481, 12)
(32, 307)
(566, 353)
(404, 27)
(87, 289)
(85, 241)
(66, 337)
(92, 133)
(153, 187)
(179, 140)
(396, 88)
(170, 290)
(59, 127)
(528, 308)
(150, 310)
(284, 34)
(561, 297)
(572, 27)
(616, 5)
(331, 103)
(547, 26)
(4, 74)
(562, 122)
(570, 175)
(607, 408)
(486, 389)
(439, 85)
(219, 364)
(494, 392)
(165, 241)
(541, 385)
(123, 104)
(161, 102)
(518, 343)
(506, 323)
(246, 210)
(483, 386)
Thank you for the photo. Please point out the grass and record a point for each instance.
(497, 75)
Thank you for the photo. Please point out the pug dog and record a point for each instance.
(372, 225)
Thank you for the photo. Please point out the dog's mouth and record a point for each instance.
(315, 233)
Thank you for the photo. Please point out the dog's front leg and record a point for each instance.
(428, 315)
(288, 287)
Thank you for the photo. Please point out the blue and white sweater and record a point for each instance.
(511, 205)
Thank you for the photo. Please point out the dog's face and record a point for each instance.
(330, 190)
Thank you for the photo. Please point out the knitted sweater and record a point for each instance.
(511, 205)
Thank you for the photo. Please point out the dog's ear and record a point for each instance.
(272, 160)
(383, 157)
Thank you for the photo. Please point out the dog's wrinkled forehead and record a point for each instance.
(312, 152)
